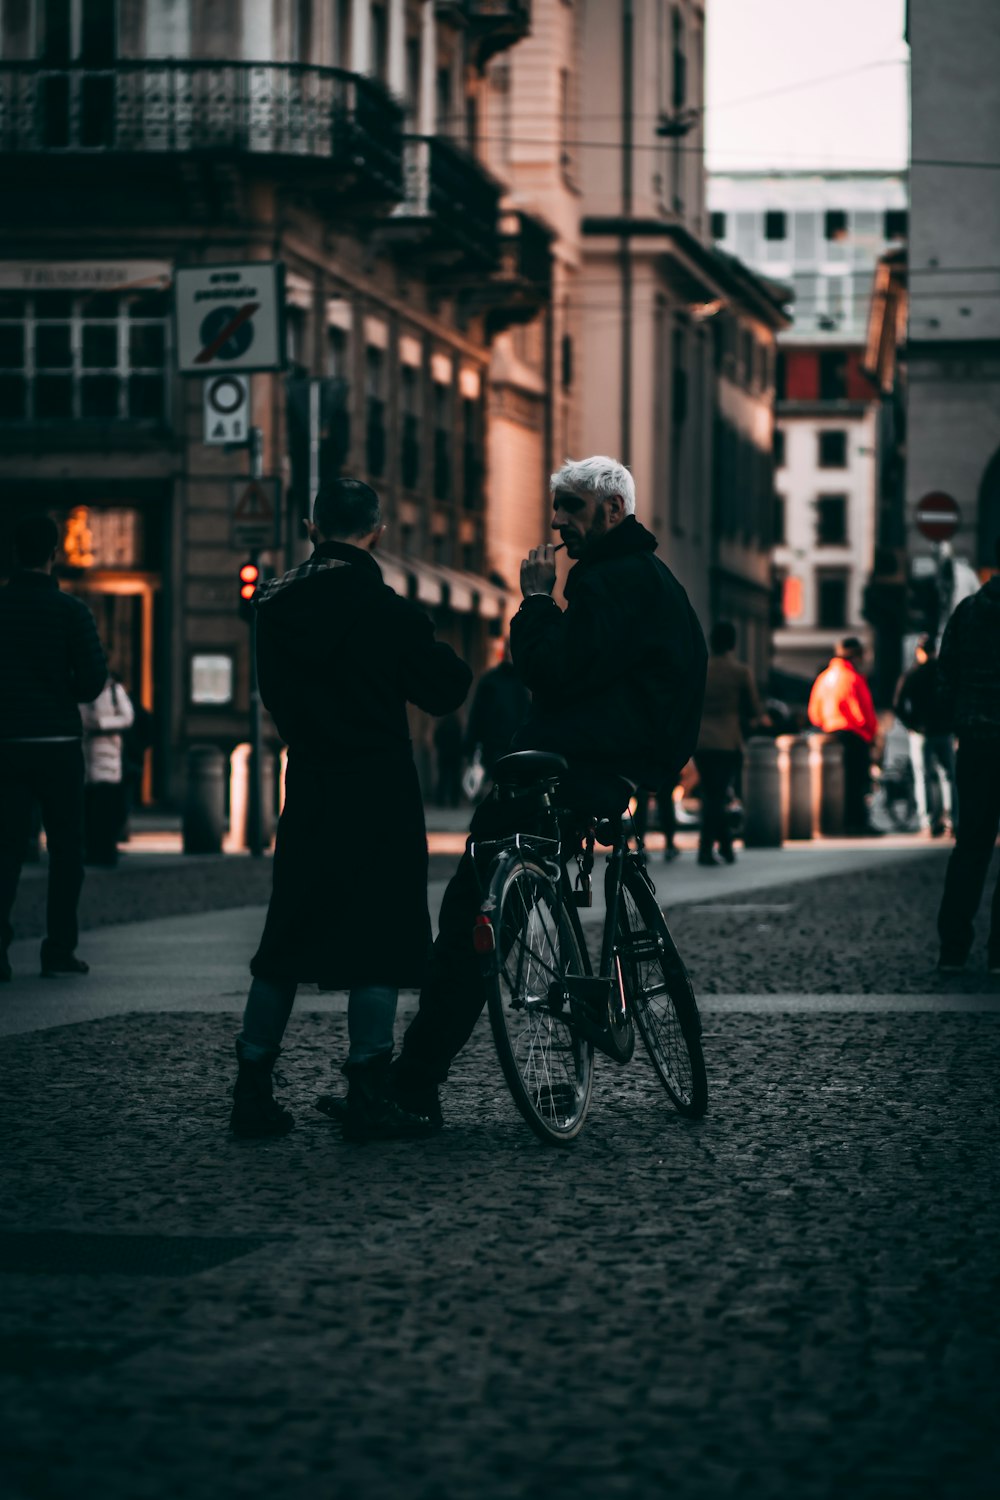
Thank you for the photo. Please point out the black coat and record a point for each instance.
(499, 707)
(618, 677)
(339, 657)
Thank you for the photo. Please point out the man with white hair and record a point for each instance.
(617, 680)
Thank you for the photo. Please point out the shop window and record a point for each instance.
(775, 225)
(833, 449)
(831, 600)
(96, 358)
(831, 521)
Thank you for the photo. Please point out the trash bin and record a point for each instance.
(799, 820)
(204, 800)
(761, 795)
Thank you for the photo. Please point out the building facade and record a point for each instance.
(339, 140)
(822, 234)
(953, 344)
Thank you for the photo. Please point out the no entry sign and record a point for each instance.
(230, 318)
(938, 516)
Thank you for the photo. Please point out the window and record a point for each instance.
(778, 538)
(718, 226)
(100, 357)
(375, 411)
(342, 49)
(412, 79)
(832, 375)
(775, 225)
(833, 450)
(779, 448)
(443, 100)
(302, 31)
(565, 125)
(380, 43)
(835, 224)
(679, 91)
(409, 405)
(472, 454)
(567, 362)
(896, 224)
(831, 600)
(442, 441)
(831, 521)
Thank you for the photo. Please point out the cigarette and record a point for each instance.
(558, 546)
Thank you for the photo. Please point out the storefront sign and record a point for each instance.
(85, 275)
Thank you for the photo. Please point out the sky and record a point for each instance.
(790, 50)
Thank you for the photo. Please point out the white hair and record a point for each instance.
(600, 475)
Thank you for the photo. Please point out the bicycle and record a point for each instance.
(548, 1010)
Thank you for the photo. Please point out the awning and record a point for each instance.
(448, 588)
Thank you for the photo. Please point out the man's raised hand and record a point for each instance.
(538, 571)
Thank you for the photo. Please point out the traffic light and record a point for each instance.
(249, 582)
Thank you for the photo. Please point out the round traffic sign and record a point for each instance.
(226, 394)
(226, 332)
(938, 516)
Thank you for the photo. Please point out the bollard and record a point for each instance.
(826, 761)
(239, 799)
(761, 795)
(799, 823)
(204, 800)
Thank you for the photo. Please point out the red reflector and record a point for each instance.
(482, 935)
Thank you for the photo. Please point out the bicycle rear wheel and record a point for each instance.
(549, 1068)
(659, 995)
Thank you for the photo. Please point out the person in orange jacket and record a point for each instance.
(840, 704)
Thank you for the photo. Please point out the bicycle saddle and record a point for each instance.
(526, 767)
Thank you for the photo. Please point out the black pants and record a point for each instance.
(978, 776)
(103, 814)
(455, 990)
(857, 779)
(716, 772)
(665, 807)
(52, 776)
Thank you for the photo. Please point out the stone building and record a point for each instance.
(338, 139)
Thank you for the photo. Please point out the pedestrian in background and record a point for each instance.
(51, 661)
(664, 797)
(104, 722)
(932, 744)
(499, 707)
(968, 685)
(840, 705)
(731, 703)
(339, 656)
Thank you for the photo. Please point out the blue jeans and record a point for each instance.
(371, 1012)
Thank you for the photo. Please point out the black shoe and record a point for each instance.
(57, 961)
(414, 1094)
(256, 1113)
(373, 1113)
(727, 854)
(937, 830)
(707, 859)
(951, 961)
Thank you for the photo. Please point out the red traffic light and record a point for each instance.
(249, 574)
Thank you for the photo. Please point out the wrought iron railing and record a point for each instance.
(448, 188)
(272, 108)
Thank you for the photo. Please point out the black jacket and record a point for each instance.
(968, 682)
(50, 659)
(339, 656)
(618, 677)
(500, 706)
(915, 704)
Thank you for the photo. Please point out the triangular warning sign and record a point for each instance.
(219, 430)
(253, 504)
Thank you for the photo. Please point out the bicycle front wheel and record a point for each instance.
(549, 1068)
(658, 992)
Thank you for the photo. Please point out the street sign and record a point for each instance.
(254, 513)
(938, 516)
(227, 408)
(230, 318)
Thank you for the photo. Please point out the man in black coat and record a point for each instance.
(499, 707)
(339, 657)
(51, 661)
(932, 744)
(617, 682)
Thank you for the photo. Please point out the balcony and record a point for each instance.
(491, 25)
(449, 207)
(521, 286)
(302, 115)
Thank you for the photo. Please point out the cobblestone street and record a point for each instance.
(797, 1296)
